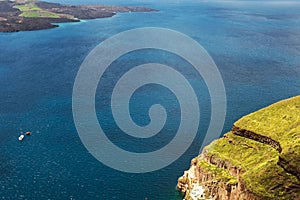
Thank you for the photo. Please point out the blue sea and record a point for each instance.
(255, 45)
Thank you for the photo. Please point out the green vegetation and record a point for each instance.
(281, 122)
(241, 152)
(218, 173)
(40, 14)
(28, 7)
(31, 10)
(261, 173)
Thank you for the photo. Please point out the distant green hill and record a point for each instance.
(30, 9)
(26, 15)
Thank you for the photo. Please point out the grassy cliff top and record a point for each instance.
(259, 162)
(280, 121)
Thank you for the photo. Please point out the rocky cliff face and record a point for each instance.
(259, 159)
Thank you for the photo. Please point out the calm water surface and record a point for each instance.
(256, 47)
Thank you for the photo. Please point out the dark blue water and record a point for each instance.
(256, 47)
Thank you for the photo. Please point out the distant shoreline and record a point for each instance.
(25, 15)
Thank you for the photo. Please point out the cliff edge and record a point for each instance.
(259, 159)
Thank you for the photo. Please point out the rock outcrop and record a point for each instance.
(259, 159)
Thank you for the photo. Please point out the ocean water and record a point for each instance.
(255, 44)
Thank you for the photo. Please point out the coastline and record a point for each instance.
(257, 160)
(39, 15)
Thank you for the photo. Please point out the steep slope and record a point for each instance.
(258, 159)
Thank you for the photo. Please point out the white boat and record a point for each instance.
(21, 137)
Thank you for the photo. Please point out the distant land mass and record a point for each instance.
(27, 15)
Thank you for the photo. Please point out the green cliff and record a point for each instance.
(258, 159)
